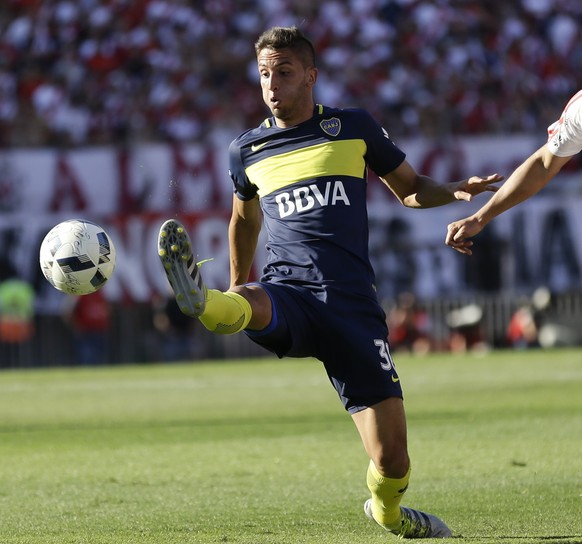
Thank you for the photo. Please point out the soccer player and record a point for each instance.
(564, 141)
(303, 172)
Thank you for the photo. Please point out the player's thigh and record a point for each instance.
(290, 331)
(353, 346)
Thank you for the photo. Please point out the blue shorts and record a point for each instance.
(347, 332)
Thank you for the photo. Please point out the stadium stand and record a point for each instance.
(89, 72)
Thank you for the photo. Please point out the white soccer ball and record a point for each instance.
(77, 257)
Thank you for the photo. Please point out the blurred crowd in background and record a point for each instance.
(89, 72)
(76, 73)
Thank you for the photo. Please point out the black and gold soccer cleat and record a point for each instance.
(414, 523)
(175, 251)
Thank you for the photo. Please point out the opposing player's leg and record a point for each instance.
(382, 428)
(221, 312)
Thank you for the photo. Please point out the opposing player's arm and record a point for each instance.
(417, 191)
(526, 180)
(243, 233)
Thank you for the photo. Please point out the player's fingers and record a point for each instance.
(463, 250)
(463, 195)
(462, 246)
(455, 235)
(490, 180)
(460, 236)
(493, 178)
(486, 180)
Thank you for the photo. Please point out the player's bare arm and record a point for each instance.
(243, 232)
(528, 179)
(417, 191)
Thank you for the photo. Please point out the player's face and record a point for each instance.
(287, 86)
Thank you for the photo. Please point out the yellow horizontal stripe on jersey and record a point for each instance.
(337, 158)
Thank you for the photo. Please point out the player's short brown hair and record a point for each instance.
(280, 37)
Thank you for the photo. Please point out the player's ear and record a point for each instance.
(311, 76)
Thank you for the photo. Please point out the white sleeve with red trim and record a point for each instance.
(565, 135)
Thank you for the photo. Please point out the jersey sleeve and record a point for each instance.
(243, 188)
(382, 155)
(565, 135)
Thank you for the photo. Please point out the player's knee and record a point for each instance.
(260, 304)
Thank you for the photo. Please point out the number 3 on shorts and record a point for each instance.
(384, 351)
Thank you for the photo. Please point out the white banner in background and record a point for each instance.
(131, 192)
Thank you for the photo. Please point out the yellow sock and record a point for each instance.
(386, 496)
(225, 313)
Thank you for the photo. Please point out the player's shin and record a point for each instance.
(225, 313)
(386, 496)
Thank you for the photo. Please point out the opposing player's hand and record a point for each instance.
(459, 232)
(467, 189)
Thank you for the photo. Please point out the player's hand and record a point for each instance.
(467, 189)
(459, 232)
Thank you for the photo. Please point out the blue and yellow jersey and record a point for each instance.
(311, 181)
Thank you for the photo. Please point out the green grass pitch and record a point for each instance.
(262, 451)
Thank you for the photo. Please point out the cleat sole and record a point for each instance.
(175, 252)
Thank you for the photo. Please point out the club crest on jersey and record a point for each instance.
(331, 126)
